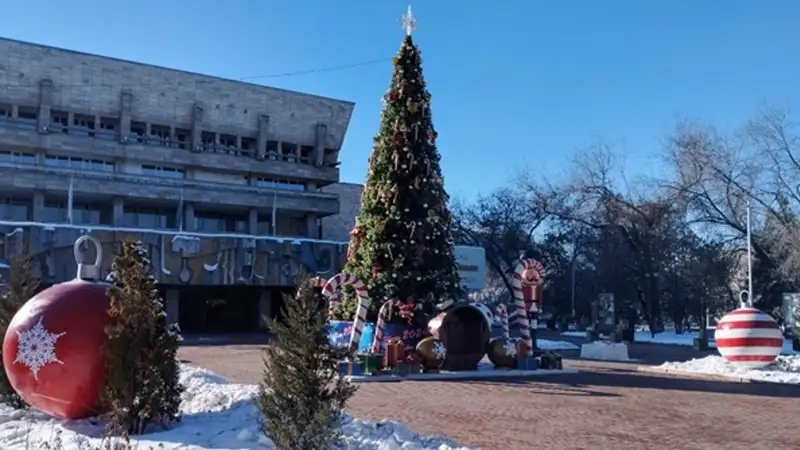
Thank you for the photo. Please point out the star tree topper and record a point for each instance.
(409, 22)
(36, 348)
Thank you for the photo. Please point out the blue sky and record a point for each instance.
(516, 85)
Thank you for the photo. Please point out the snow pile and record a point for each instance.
(217, 414)
(545, 344)
(672, 338)
(605, 351)
(786, 369)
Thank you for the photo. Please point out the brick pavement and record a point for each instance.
(606, 406)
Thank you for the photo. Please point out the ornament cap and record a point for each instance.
(88, 272)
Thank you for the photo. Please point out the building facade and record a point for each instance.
(223, 181)
(337, 227)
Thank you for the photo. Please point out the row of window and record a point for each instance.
(56, 211)
(108, 128)
(73, 162)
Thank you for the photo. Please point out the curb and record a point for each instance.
(466, 375)
(708, 376)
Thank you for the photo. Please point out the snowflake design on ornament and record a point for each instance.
(439, 350)
(36, 348)
(510, 348)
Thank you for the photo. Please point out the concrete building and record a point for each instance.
(337, 227)
(224, 181)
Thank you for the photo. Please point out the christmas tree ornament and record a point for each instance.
(53, 351)
(433, 354)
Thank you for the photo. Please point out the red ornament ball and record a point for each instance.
(748, 338)
(54, 349)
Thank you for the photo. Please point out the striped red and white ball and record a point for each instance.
(748, 338)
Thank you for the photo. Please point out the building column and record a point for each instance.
(312, 228)
(172, 304)
(319, 143)
(252, 222)
(188, 217)
(118, 212)
(126, 98)
(263, 134)
(264, 309)
(197, 128)
(45, 100)
(37, 212)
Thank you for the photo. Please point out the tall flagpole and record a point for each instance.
(274, 212)
(180, 212)
(70, 198)
(749, 261)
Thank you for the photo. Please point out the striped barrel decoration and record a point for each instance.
(748, 338)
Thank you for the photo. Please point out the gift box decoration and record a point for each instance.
(372, 363)
(395, 351)
(351, 368)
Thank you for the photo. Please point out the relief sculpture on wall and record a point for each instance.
(180, 259)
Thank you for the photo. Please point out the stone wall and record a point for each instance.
(338, 227)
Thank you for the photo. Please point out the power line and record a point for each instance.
(244, 79)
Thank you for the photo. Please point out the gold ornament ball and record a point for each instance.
(503, 352)
(433, 353)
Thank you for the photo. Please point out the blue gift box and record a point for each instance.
(527, 363)
(339, 334)
(348, 368)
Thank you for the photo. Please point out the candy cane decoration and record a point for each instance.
(519, 302)
(502, 312)
(383, 316)
(345, 279)
(333, 300)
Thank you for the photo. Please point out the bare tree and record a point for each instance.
(599, 197)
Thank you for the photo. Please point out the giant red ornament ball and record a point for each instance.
(748, 338)
(53, 351)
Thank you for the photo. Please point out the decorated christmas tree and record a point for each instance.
(402, 243)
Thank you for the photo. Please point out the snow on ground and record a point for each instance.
(605, 351)
(785, 370)
(545, 344)
(670, 337)
(217, 414)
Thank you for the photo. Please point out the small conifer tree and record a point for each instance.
(18, 289)
(142, 386)
(302, 396)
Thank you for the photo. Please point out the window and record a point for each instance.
(82, 125)
(284, 185)
(59, 121)
(17, 157)
(307, 154)
(210, 222)
(73, 162)
(6, 112)
(227, 144)
(272, 150)
(249, 145)
(162, 172)
(14, 209)
(182, 138)
(137, 131)
(90, 214)
(329, 157)
(288, 152)
(153, 218)
(27, 117)
(109, 126)
(54, 211)
(209, 140)
(160, 135)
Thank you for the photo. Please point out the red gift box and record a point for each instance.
(395, 351)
